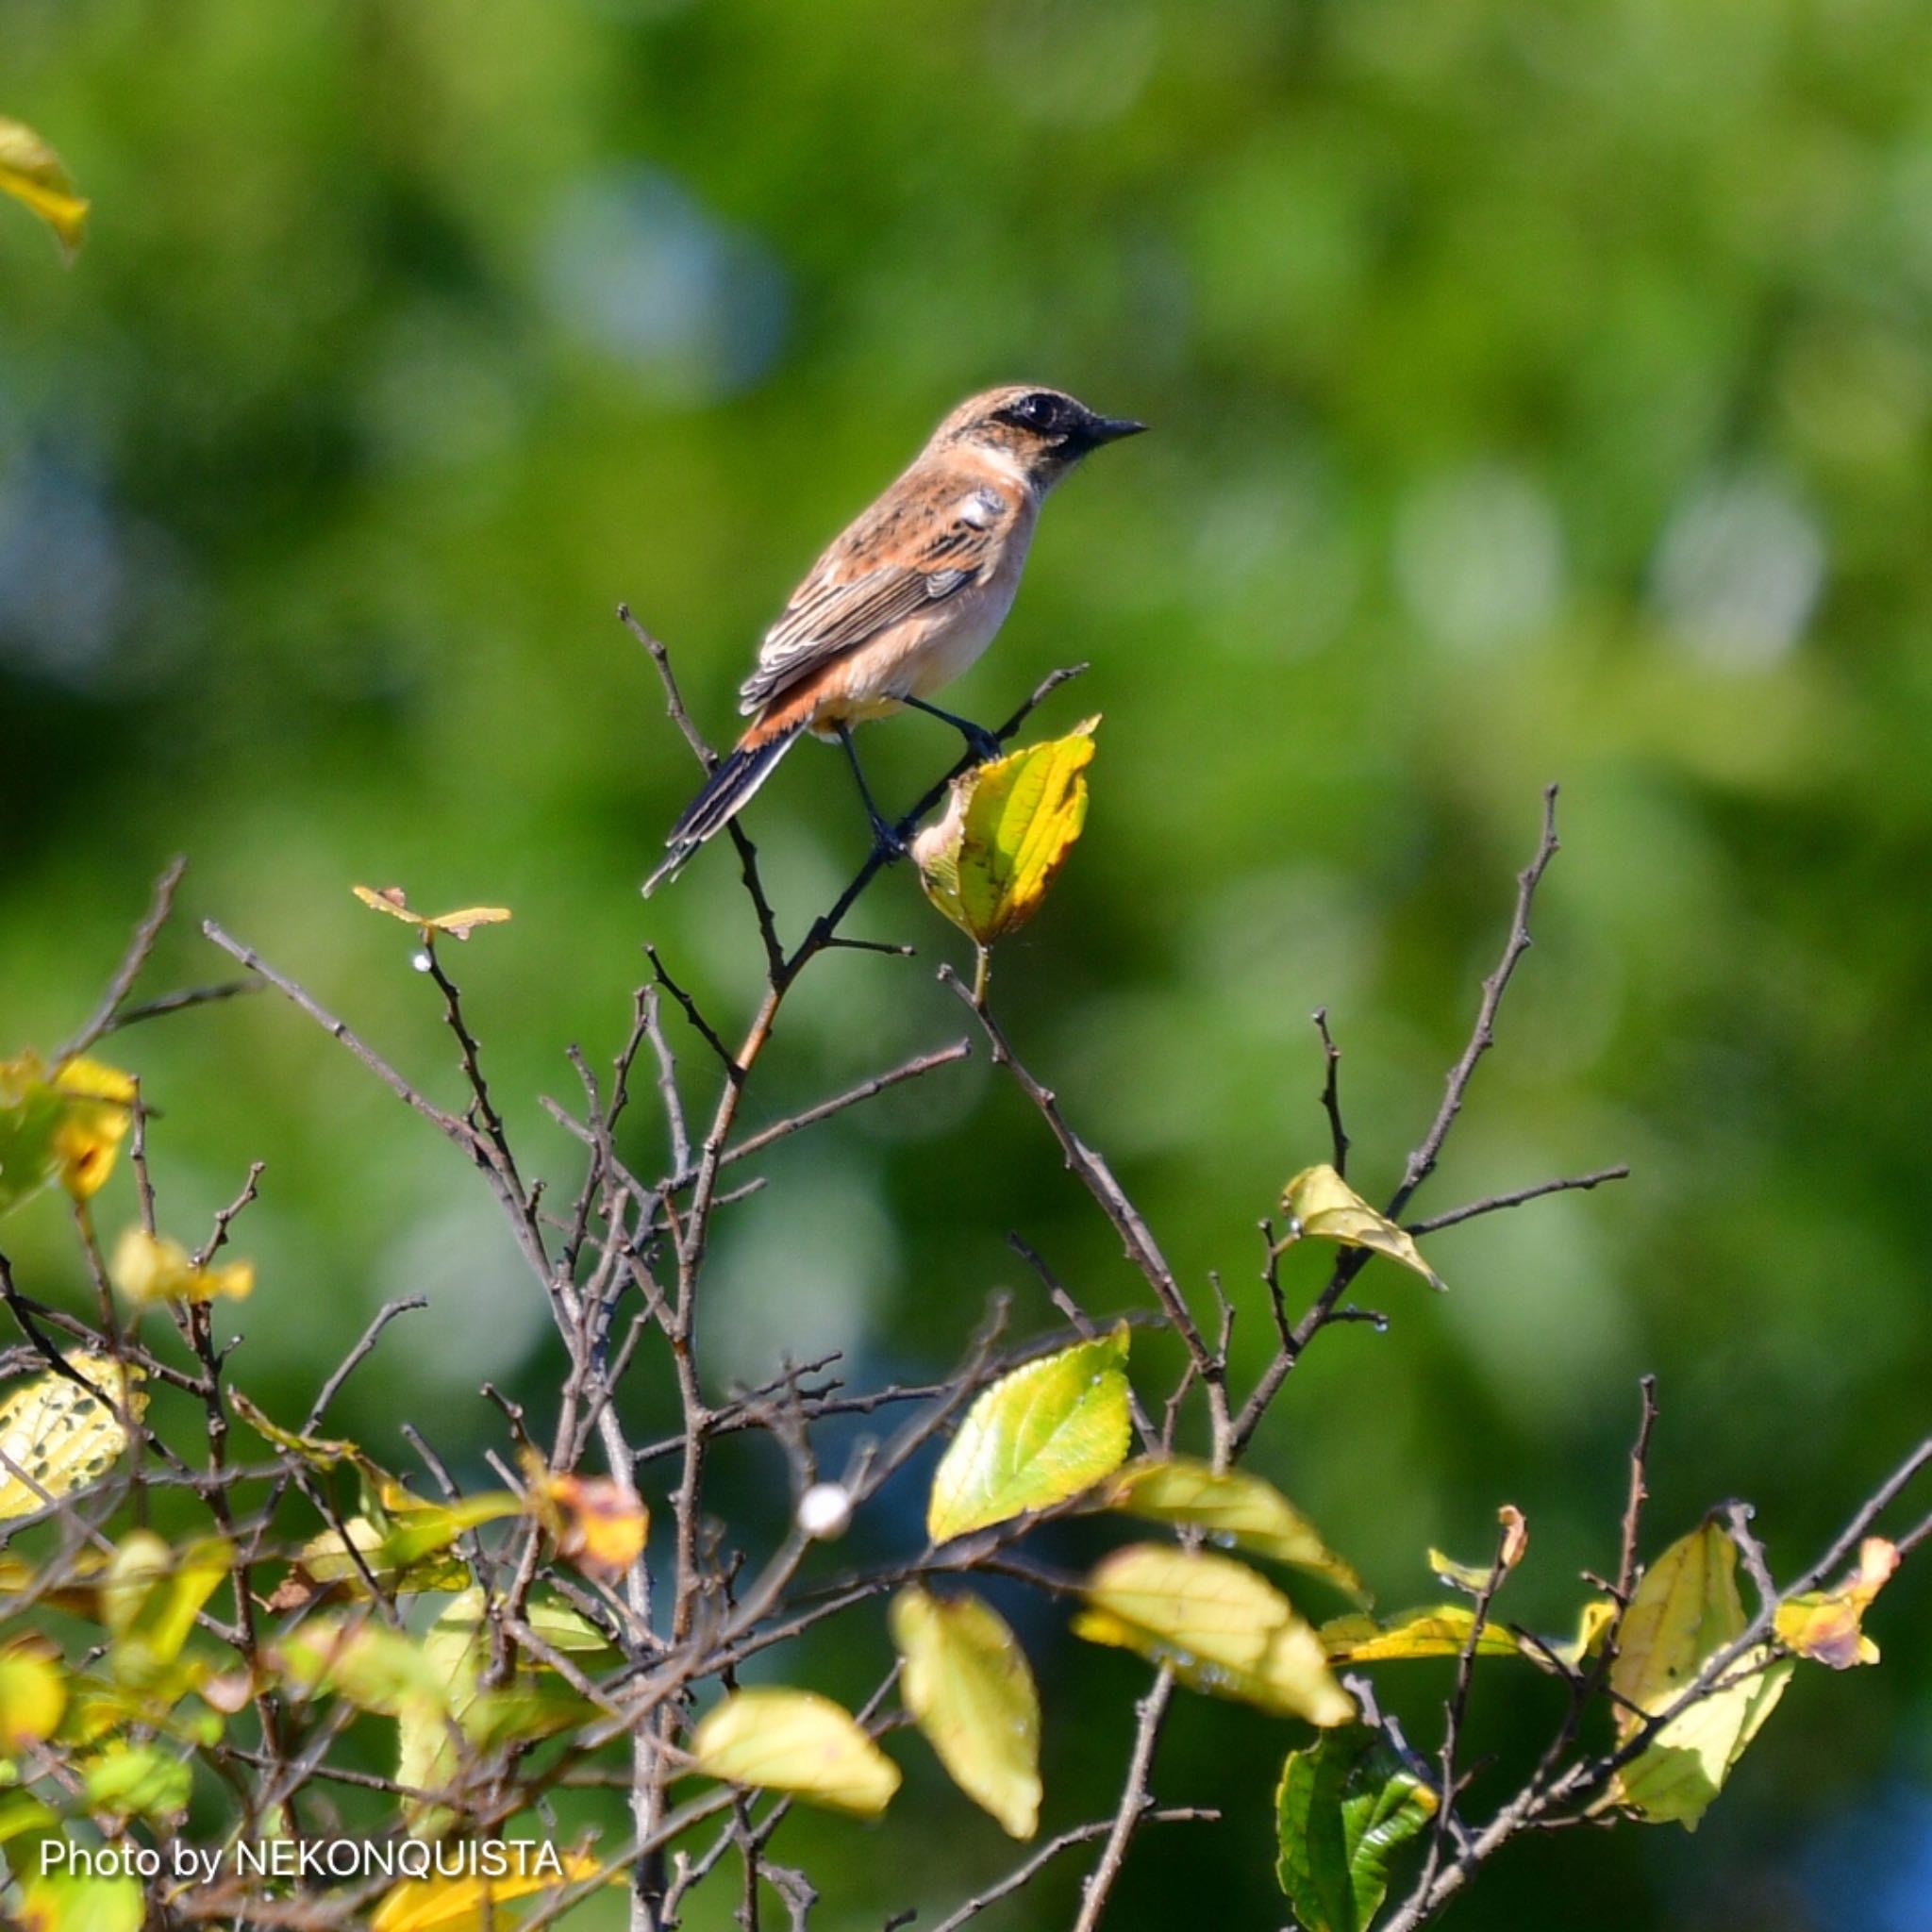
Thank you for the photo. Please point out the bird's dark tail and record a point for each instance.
(727, 792)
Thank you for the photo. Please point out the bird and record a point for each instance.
(905, 600)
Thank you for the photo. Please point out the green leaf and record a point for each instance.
(1234, 1508)
(64, 1436)
(796, 1742)
(1038, 1436)
(1344, 1807)
(969, 1689)
(151, 1596)
(1008, 828)
(1322, 1206)
(1217, 1624)
(32, 172)
(63, 1904)
(138, 1781)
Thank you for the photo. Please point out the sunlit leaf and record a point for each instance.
(150, 1598)
(1824, 1625)
(1038, 1436)
(319, 1452)
(599, 1524)
(365, 1662)
(138, 1781)
(33, 1694)
(150, 1268)
(1321, 1206)
(60, 1435)
(65, 1125)
(405, 1553)
(26, 1823)
(1682, 1614)
(1008, 828)
(60, 1903)
(470, 1905)
(1510, 1550)
(1219, 1625)
(458, 925)
(969, 1689)
(1234, 1507)
(32, 172)
(1434, 1630)
(796, 1742)
(1344, 1807)
(1592, 1627)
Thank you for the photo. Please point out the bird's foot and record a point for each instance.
(984, 745)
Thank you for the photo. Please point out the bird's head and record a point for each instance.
(1040, 432)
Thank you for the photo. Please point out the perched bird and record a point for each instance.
(907, 599)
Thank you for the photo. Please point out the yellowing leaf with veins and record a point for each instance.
(100, 1110)
(1008, 828)
(458, 925)
(32, 172)
(1437, 1630)
(1217, 1624)
(469, 1904)
(60, 1435)
(150, 1268)
(796, 1742)
(1824, 1625)
(1038, 1436)
(33, 1694)
(1233, 1508)
(1682, 1614)
(1322, 1206)
(969, 1689)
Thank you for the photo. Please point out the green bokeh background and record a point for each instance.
(1542, 392)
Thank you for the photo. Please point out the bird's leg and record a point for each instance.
(887, 841)
(982, 744)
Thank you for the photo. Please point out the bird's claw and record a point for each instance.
(887, 844)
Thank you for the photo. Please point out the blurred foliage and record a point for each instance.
(1541, 391)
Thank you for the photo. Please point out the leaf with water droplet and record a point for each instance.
(1322, 1206)
(1234, 1507)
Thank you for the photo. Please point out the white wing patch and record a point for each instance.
(983, 508)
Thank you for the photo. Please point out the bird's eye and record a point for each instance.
(1040, 411)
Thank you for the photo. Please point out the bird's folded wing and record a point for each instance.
(849, 598)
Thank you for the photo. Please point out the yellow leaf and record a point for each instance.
(1038, 1436)
(32, 1697)
(599, 1524)
(32, 172)
(1437, 1630)
(151, 1595)
(466, 1905)
(1219, 1625)
(1008, 827)
(60, 1903)
(1320, 1204)
(970, 1690)
(150, 1268)
(1233, 1508)
(1683, 1613)
(60, 1435)
(1824, 1626)
(458, 925)
(1684, 1767)
(797, 1742)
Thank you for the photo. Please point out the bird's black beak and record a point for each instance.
(1111, 428)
